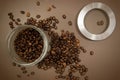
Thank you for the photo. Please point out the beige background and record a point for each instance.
(103, 65)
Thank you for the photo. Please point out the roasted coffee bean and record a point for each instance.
(38, 16)
(49, 9)
(32, 73)
(38, 3)
(9, 14)
(53, 6)
(64, 16)
(22, 12)
(70, 23)
(86, 78)
(18, 20)
(10, 23)
(25, 71)
(28, 14)
(23, 68)
(91, 52)
(19, 76)
(100, 23)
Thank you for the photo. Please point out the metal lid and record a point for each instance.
(99, 6)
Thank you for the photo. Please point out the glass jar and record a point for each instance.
(10, 45)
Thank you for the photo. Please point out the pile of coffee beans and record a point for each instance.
(64, 55)
(28, 44)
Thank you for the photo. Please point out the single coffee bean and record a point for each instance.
(64, 16)
(19, 76)
(53, 6)
(32, 73)
(70, 23)
(38, 16)
(22, 12)
(18, 20)
(24, 71)
(23, 68)
(38, 3)
(91, 52)
(49, 9)
(28, 14)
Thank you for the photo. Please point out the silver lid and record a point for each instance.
(99, 6)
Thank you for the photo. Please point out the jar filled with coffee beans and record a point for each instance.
(27, 45)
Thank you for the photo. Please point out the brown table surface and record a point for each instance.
(103, 65)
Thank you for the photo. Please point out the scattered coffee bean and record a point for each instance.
(11, 26)
(23, 68)
(38, 16)
(86, 78)
(10, 13)
(19, 76)
(64, 16)
(100, 23)
(70, 23)
(22, 12)
(49, 9)
(91, 52)
(10, 23)
(18, 20)
(32, 73)
(38, 3)
(53, 6)
(28, 14)
(24, 71)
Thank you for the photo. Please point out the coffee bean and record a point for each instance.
(64, 16)
(18, 20)
(53, 6)
(22, 12)
(10, 23)
(86, 78)
(28, 14)
(100, 23)
(49, 9)
(38, 16)
(70, 23)
(19, 76)
(91, 52)
(32, 73)
(38, 3)
(24, 71)
(23, 68)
